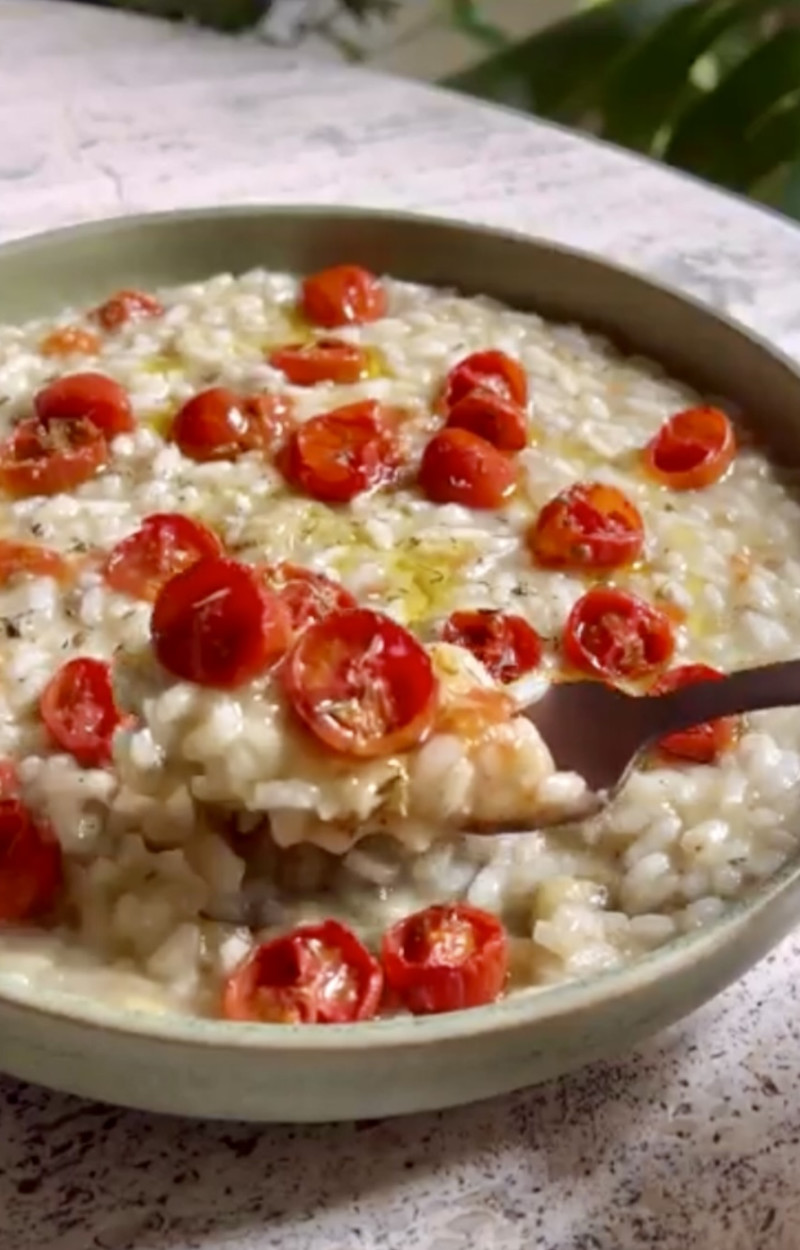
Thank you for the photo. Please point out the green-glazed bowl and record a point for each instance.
(264, 1072)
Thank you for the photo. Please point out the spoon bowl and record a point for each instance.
(601, 732)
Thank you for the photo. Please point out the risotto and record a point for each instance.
(281, 561)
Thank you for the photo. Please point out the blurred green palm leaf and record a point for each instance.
(711, 86)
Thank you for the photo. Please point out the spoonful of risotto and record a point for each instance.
(358, 727)
(590, 737)
(349, 725)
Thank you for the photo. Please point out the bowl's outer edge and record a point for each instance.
(152, 1068)
(266, 1073)
(42, 274)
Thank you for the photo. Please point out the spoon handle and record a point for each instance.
(749, 690)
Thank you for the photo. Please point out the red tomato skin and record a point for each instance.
(297, 979)
(460, 467)
(174, 542)
(36, 460)
(325, 360)
(491, 370)
(501, 422)
(704, 743)
(127, 305)
(271, 417)
(82, 682)
(425, 986)
(343, 295)
(218, 424)
(340, 454)
(653, 642)
(86, 397)
(588, 526)
(692, 450)
(322, 669)
(31, 871)
(309, 596)
(216, 624)
(504, 643)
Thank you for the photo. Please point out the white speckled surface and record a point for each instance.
(693, 1141)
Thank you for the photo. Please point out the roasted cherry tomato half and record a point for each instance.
(86, 397)
(165, 544)
(127, 306)
(317, 974)
(343, 295)
(78, 710)
(309, 596)
(498, 420)
(45, 460)
(70, 341)
(326, 360)
(492, 371)
(31, 873)
(28, 559)
(362, 684)
(588, 526)
(341, 454)
(505, 644)
(218, 424)
(610, 633)
(460, 467)
(693, 449)
(217, 624)
(446, 958)
(704, 743)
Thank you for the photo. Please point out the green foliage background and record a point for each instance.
(710, 86)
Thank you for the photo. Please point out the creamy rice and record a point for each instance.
(147, 842)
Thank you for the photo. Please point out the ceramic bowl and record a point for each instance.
(266, 1073)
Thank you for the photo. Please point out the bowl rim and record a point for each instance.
(526, 1007)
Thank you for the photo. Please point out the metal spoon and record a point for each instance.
(600, 733)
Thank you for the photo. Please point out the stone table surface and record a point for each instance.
(693, 1141)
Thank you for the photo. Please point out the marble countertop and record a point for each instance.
(694, 1139)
